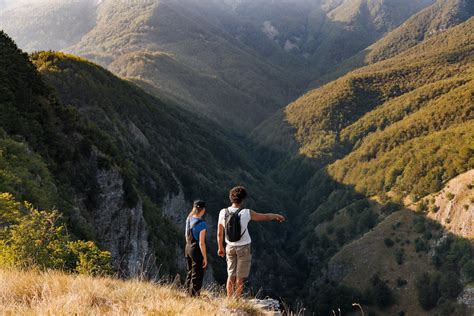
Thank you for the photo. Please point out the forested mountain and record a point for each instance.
(47, 24)
(237, 62)
(115, 160)
(430, 21)
(401, 127)
(373, 169)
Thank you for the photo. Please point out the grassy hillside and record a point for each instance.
(26, 293)
(397, 253)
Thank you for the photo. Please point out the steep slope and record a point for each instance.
(119, 163)
(235, 61)
(438, 17)
(354, 25)
(397, 128)
(52, 157)
(234, 76)
(172, 157)
(453, 205)
(325, 32)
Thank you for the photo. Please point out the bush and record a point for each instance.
(30, 238)
(420, 245)
(449, 285)
(468, 271)
(428, 290)
(380, 293)
(388, 242)
(401, 282)
(449, 196)
(400, 256)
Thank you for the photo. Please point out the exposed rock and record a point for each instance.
(138, 134)
(120, 229)
(467, 297)
(176, 208)
(270, 31)
(455, 211)
(269, 305)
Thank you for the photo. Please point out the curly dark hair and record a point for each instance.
(237, 194)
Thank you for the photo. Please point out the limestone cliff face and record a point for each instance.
(176, 208)
(454, 205)
(120, 229)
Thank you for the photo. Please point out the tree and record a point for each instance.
(428, 290)
(380, 293)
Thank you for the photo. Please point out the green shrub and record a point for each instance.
(401, 282)
(428, 290)
(388, 242)
(30, 238)
(420, 245)
(449, 196)
(380, 293)
(400, 256)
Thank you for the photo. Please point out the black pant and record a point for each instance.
(194, 261)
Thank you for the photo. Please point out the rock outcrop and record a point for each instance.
(120, 229)
(453, 206)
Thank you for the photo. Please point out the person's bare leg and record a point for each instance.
(239, 287)
(230, 286)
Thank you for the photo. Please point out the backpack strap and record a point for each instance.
(199, 221)
(238, 214)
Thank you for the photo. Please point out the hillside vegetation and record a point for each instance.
(116, 160)
(373, 170)
(169, 156)
(397, 128)
(380, 108)
(436, 18)
(26, 293)
(236, 62)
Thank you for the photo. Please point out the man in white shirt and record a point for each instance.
(238, 253)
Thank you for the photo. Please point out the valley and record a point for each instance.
(353, 118)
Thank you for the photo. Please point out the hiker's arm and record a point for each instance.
(202, 245)
(220, 240)
(260, 217)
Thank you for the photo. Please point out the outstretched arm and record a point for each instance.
(260, 217)
(220, 240)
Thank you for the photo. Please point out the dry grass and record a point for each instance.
(56, 293)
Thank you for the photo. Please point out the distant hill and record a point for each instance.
(47, 24)
(438, 17)
(237, 62)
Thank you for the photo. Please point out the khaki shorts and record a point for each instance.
(239, 260)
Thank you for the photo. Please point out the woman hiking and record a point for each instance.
(195, 251)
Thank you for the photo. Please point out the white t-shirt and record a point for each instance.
(244, 221)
